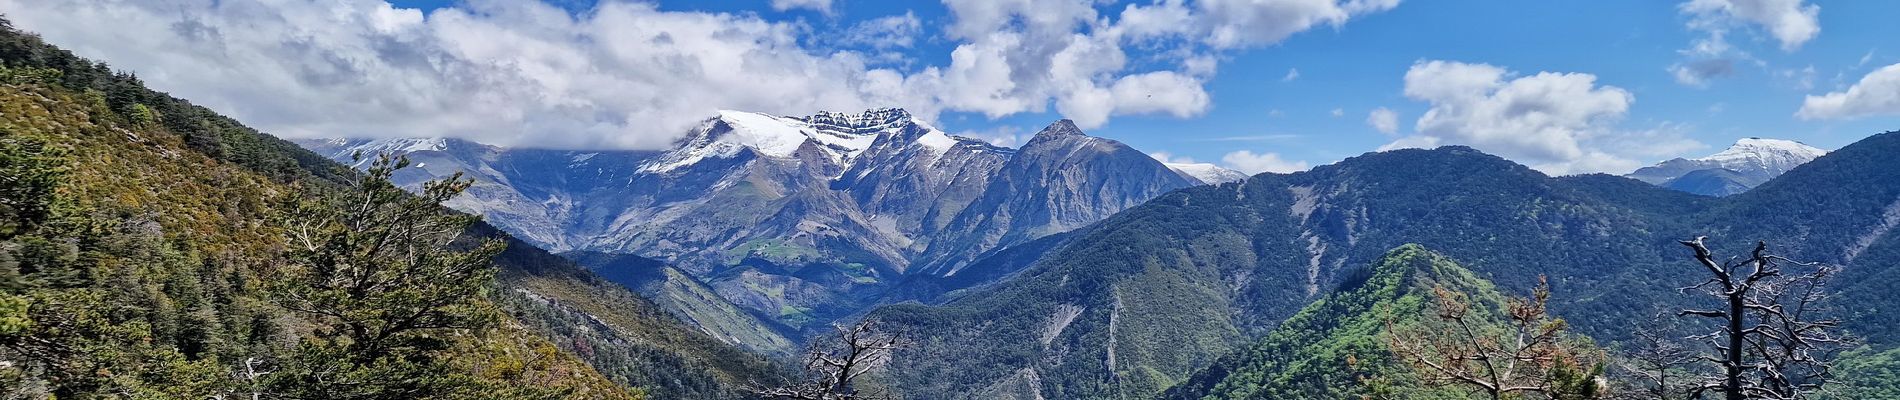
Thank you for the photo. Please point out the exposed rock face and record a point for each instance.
(1744, 165)
(796, 219)
(1060, 180)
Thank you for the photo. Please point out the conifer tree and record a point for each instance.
(390, 280)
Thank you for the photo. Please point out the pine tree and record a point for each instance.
(390, 280)
(29, 172)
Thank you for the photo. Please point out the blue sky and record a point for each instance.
(1566, 87)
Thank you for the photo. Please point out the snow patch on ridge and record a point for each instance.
(770, 135)
(842, 137)
(1207, 173)
(937, 141)
(400, 146)
(1773, 154)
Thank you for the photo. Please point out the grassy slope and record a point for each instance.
(220, 211)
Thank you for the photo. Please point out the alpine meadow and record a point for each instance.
(949, 199)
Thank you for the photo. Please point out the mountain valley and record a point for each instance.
(558, 200)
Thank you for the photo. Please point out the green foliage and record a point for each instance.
(1340, 346)
(30, 76)
(373, 265)
(1202, 271)
(29, 60)
(13, 318)
(1243, 258)
(690, 300)
(142, 116)
(1568, 382)
(372, 268)
(160, 269)
(29, 173)
(1337, 346)
(625, 337)
(1867, 374)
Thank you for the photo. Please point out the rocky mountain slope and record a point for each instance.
(1742, 166)
(797, 220)
(1173, 284)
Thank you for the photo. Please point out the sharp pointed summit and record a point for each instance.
(834, 206)
(1061, 128)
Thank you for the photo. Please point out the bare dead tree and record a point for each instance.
(832, 370)
(1774, 341)
(1527, 356)
(251, 379)
(1654, 365)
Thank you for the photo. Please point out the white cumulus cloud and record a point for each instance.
(625, 75)
(895, 31)
(1698, 73)
(1170, 158)
(1878, 93)
(632, 75)
(1252, 163)
(1383, 120)
(1242, 23)
(1005, 136)
(1557, 122)
(814, 5)
(1790, 21)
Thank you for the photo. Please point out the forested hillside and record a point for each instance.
(144, 254)
(1134, 302)
(1167, 287)
(1340, 347)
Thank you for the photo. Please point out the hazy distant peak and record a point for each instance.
(1207, 173)
(1749, 162)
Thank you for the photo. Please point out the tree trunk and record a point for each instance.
(1734, 355)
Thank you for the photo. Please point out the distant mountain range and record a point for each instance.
(1077, 267)
(1073, 267)
(1746, 164)
(798, 219)
(1130, 306)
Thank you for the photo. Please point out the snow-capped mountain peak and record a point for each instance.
(394, 146)
(842, 136)
(344, 149)
(1775, 154)
(1747, 163)
(1207, 173)
(771, 135)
